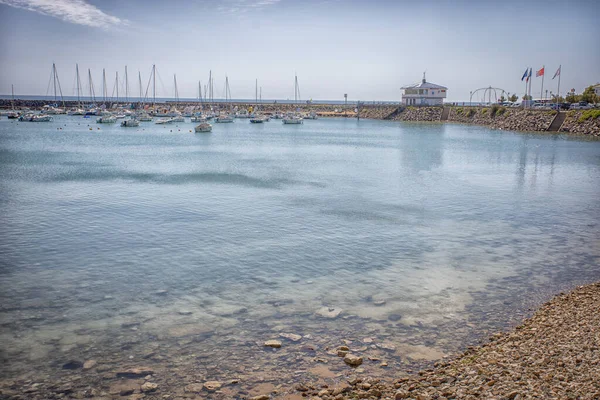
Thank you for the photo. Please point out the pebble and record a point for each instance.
(273, 343)
(353, 360)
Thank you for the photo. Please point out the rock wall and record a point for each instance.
(503, 118)
(576, 122)
(420, 114)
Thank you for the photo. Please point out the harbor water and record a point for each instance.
(183, 253)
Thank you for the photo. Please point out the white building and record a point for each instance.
(597, 89)
(424, 94)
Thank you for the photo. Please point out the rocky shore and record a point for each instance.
(555, 354)
(582, 122)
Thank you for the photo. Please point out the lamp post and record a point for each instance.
(470, 98)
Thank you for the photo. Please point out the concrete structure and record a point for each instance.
(424, 94)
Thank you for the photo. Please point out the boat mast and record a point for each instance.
(140, 79)
(57, 81)
(92, 94)
(256, 92)
(12, 102)
(104, 84)
(210, 89)
(126, 86)
(78, 85)
(176, 92)
(54, 79)
(153, 85)
(117, 85)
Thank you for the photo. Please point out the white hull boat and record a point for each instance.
(203, 128)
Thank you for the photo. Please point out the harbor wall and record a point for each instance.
(586, 122)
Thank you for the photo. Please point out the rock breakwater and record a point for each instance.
(583, 122)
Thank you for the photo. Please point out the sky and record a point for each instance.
(367, 49)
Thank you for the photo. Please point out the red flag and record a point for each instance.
(539, 72)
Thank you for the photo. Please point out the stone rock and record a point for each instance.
(89, 364)
(273, 343)
(329, 312)
(124, 388)
(149, 387)
(134, 373)
(72, 364)
(261, 397)
(353, 360)
(291, 336)
(379, 303)
(211, 386)
(184, 312)
(402, 394)
(193, 388)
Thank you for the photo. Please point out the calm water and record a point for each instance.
(252, 229)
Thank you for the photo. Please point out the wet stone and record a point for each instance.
(89, 364)
(394, 317)
(211, 386)
(353, 360)
(72, 364)
(329, 312)
(149, 387)
(273, 343)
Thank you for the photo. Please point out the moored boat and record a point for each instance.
(130, 122)
(224, 119)
(292, 120)
(203, 128)
(106, 119)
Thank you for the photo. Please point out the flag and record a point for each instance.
(525, 74)
(539, 72)
(528, 76)
(557, 73)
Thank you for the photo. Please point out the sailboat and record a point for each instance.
(225, 118)
(13, 114)
(294, 118)
(256, 118)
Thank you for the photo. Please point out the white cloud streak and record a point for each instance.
(74, 11)
(242, 6)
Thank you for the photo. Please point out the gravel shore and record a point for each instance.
(555, 354)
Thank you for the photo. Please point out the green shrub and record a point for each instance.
(459, 110)
(471, 112)
(589, 114)
(484, 110)
(501, 111)
(497, 110)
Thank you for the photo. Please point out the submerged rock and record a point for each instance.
(89, 364)
(329, 312)
(211, 386)
(291, 336)
(72, 364)
(273, 343)
(353, 360)
(149, 387)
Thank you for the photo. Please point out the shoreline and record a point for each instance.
(554, 354)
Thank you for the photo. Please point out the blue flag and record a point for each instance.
(525, 74)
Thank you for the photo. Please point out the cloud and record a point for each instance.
(242, 6)
(74, 11)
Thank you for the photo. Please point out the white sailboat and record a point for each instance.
(294, 118)
(228, 118)
(12, 114)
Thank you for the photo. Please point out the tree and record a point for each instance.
(589, 95)
(572, 98)
(513, 98)
(526, 97)
(502, 99)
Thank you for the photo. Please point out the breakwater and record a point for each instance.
(584, 122)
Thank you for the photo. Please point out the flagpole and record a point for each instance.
(530, 98)
(544, 74)
(558, 90)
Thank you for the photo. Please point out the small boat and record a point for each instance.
(130, 122)
(163, 121)
(292, 120)
(257, 120)
(144, 117)
(198, 118)
(41, 118)
(224, 119)
(12, 115)
(120, 116)
(312, 115)
(106, 119)
(203, 127)
(178, 118)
